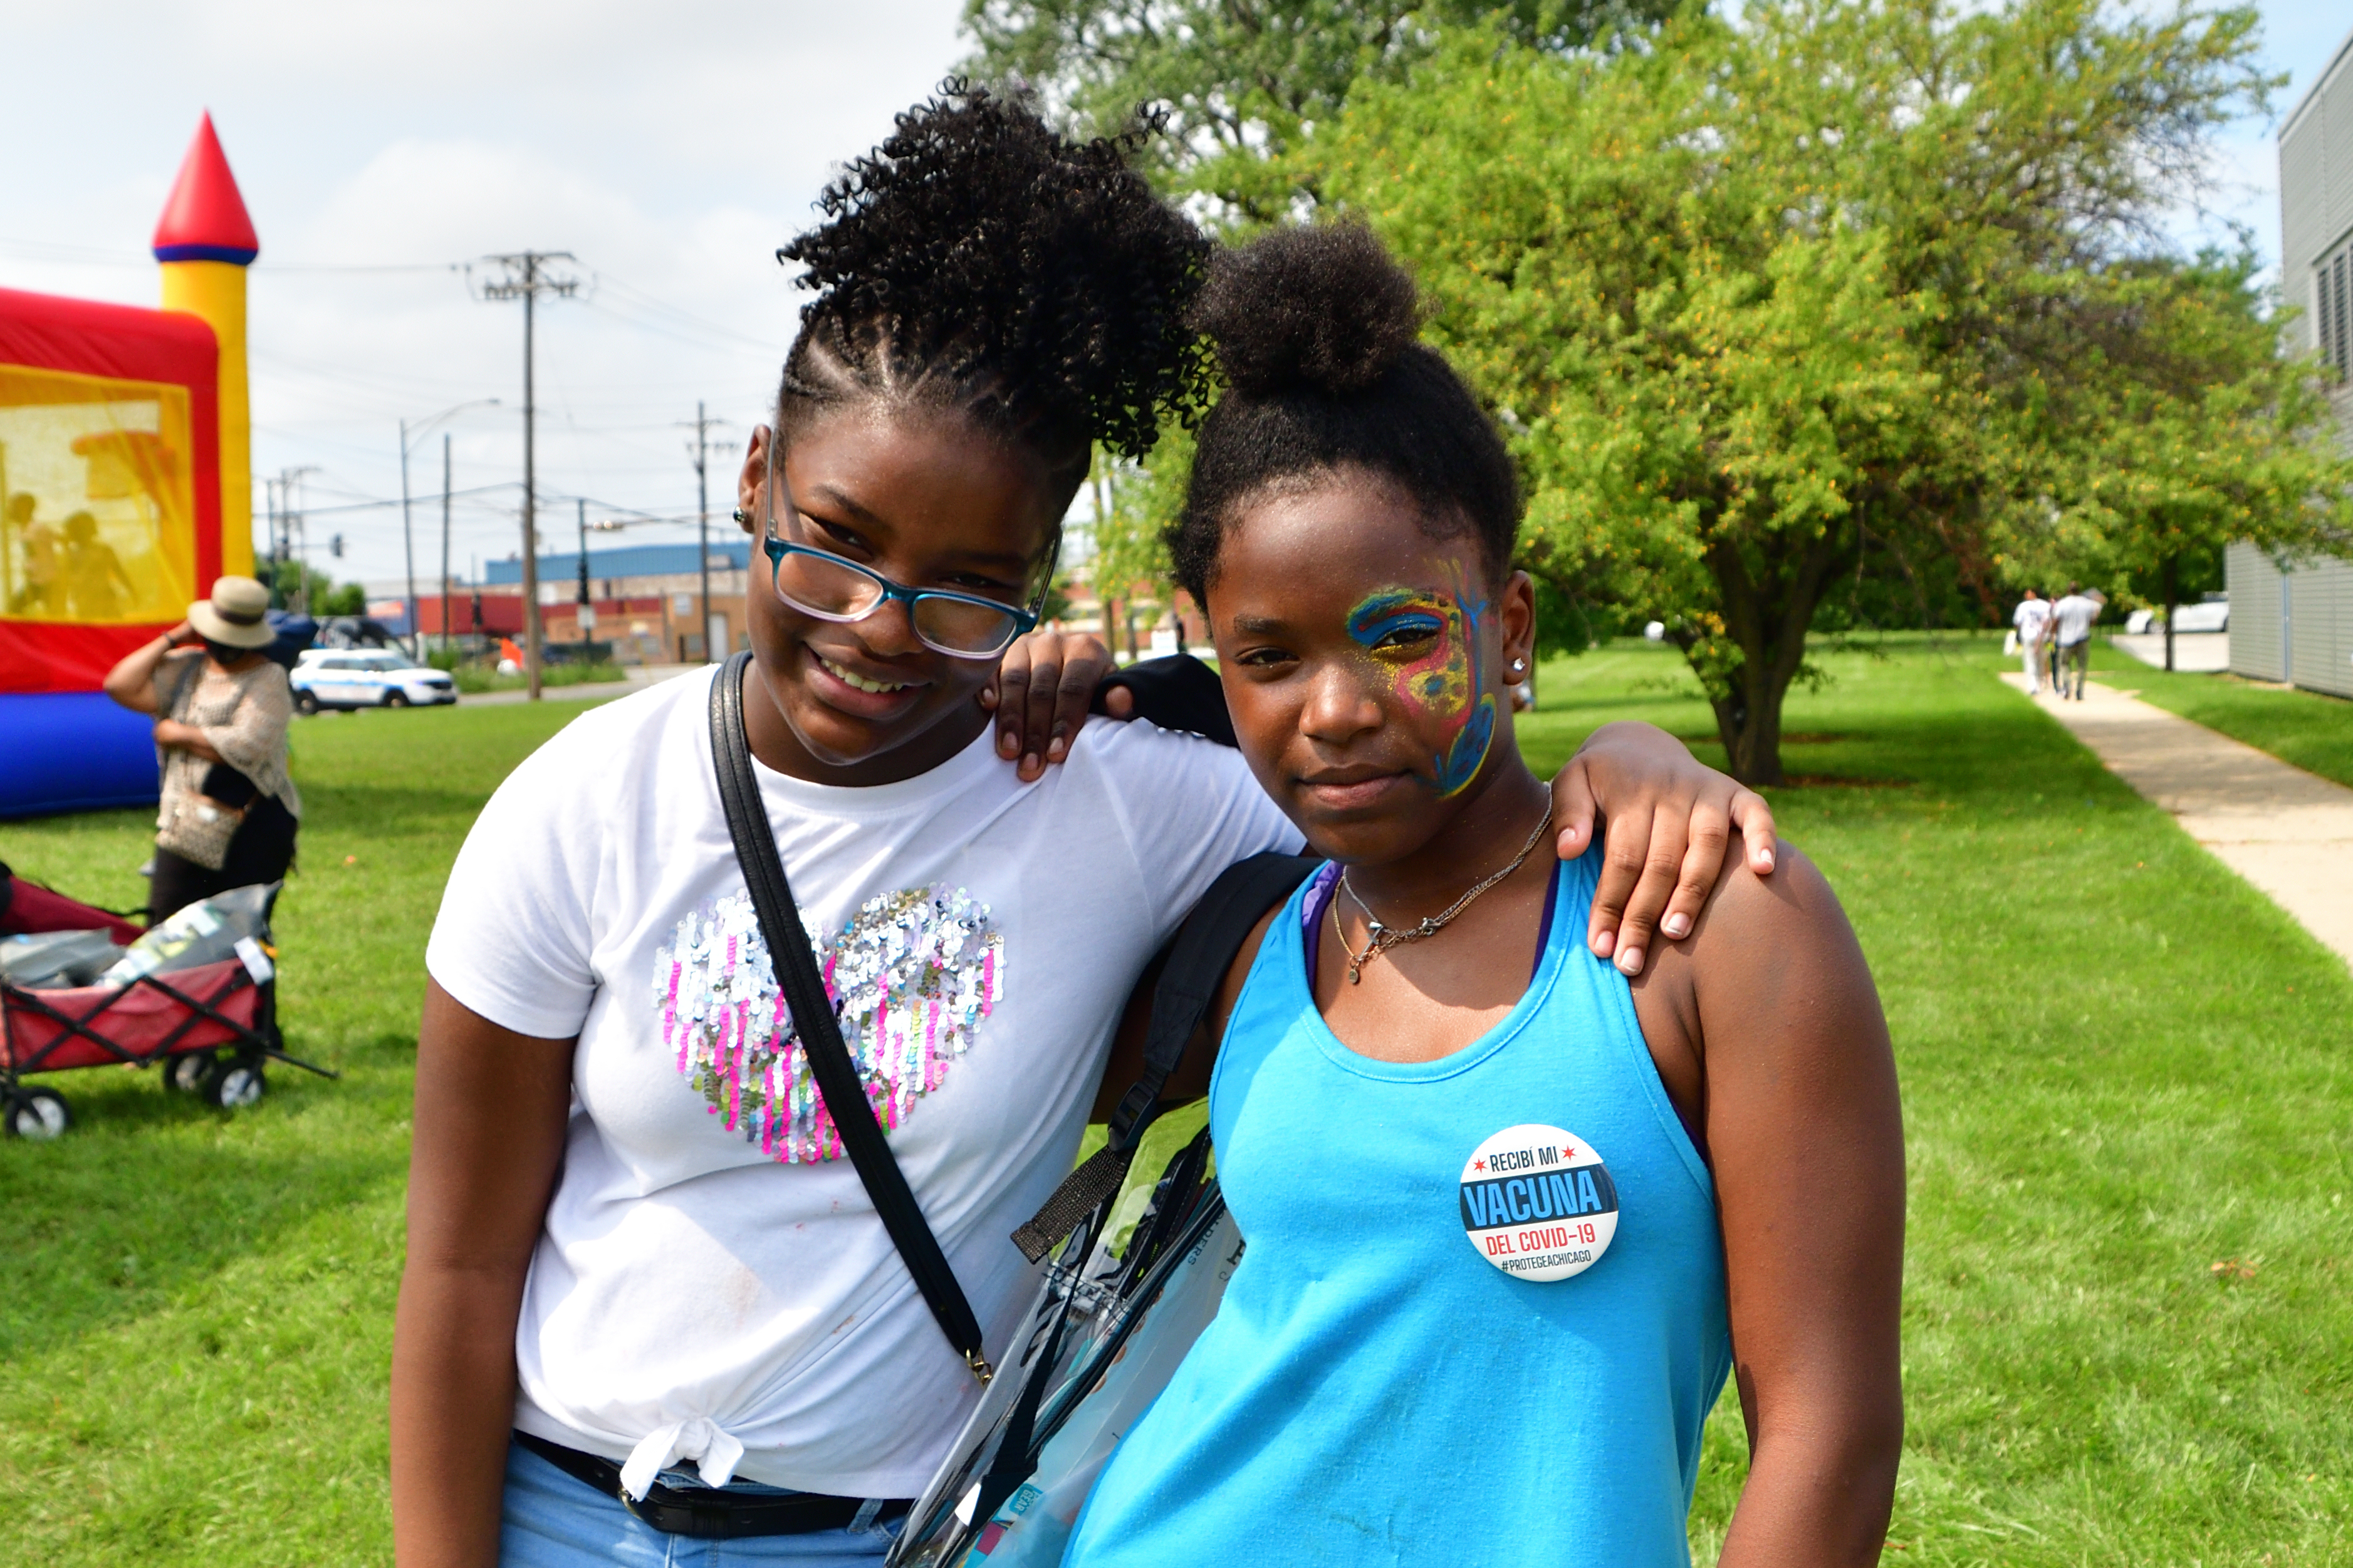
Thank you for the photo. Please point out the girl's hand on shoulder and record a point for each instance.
(1670, 819)
(1041, 693)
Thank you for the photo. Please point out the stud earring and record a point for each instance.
(1518, 665)
(740, 517)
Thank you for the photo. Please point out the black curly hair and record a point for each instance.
(1316, 328)
(976, 260)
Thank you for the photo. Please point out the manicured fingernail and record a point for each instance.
(1675, 925)
(1630, 960)
(1603, 942)
(1765, 861)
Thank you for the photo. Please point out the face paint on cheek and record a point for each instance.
(1443, 678)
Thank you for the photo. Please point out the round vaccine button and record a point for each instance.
(1537, 1203)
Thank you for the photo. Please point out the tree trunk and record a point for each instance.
(1766, 620)
(2166, 575)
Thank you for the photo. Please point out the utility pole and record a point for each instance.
(290, 518)
(701, 453)
(526, 280)
(269, 501)
(588, 611)
(445, 541)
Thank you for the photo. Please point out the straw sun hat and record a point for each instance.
(236, 616)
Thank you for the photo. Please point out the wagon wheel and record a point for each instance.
(184, 1073)
(233, 1082)
(36, 1113)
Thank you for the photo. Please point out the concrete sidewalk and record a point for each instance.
(640, 675)
(2285, 830)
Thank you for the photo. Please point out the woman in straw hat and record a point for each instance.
(229, 812)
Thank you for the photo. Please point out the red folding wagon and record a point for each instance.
(211, 1027)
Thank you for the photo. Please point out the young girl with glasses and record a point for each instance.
(1509, 1219)
(636, 1256)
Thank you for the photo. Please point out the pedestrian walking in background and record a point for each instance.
(2072, 618)
(229, 810)
(2032, 619)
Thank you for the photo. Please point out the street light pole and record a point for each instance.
(408, 552)
(445, 541)
(407, 535)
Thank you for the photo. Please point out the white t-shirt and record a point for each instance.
(708, 1256)
(2075, 614)
(2032, 619)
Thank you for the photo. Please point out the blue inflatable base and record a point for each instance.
(73, 751)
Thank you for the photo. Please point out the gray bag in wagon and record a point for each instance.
(1122, 1302)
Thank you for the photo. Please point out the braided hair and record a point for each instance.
(978, 261)
(1316, 330)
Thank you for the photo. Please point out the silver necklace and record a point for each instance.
(1381, 937)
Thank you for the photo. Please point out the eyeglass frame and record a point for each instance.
(776, 550)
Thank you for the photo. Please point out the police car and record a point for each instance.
(366, 678)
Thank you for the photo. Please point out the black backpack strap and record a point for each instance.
(820, 1030)
(1203, 949)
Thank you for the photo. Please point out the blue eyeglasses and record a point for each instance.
(832, 588)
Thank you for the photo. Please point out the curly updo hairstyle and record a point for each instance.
(978, 261)
(1315, 328)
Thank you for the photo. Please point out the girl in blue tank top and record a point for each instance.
(1510, 1217)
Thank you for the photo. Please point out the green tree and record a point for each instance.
(2199, 438)
(1841, 278)
(1240, 80)
(1135, 505)
(288, 578)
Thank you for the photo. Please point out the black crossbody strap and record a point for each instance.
(1202, 951)
(820, 1030)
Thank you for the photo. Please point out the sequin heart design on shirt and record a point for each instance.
(910, 978)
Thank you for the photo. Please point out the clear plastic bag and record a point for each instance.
(205, 933)
(57, 958)
(1109, 1327)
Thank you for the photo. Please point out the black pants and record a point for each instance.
(261, 852)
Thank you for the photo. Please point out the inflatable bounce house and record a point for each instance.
(125, 489)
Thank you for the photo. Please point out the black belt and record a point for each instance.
(710, 1513)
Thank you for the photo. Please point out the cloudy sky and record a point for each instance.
(381, 148)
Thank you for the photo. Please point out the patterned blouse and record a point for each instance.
(244, 715)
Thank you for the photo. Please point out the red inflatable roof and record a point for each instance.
(206, 220)
(116, 342)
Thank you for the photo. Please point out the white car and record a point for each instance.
(366, 678)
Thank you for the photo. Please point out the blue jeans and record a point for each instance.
(552, 1521)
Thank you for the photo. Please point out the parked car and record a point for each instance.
(2213, 615)
(330, 677)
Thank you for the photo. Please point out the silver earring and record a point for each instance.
(740, 517)
(1518, 665)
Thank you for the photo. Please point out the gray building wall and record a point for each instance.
(2297, 623)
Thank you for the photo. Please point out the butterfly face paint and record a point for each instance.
(1425, 644)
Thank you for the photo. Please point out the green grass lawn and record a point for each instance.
(2121, 1068)
(2312, 731)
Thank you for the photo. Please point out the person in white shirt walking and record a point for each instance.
(2073, 617)
(2032, 619)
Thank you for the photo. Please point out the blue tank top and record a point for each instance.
(1373, 1389)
